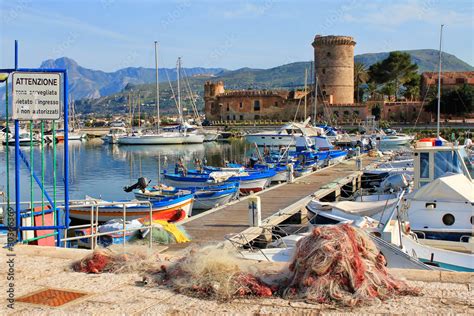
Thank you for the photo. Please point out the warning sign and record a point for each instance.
(36, 96)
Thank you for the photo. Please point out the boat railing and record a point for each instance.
(94, 234)
(419, 234)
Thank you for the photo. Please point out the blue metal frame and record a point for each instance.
(19, 155)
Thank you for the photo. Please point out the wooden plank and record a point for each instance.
(278, 204)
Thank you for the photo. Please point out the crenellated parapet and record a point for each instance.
(333, 40)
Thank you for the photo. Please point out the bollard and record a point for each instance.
(255, 211)
(357, 151)
(359, 163)
(290, 173)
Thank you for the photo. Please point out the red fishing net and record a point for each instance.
(340, 263)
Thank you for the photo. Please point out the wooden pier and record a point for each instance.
(278, 204)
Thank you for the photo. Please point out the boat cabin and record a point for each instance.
(436, 158)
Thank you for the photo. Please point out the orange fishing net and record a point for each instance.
(340, 263)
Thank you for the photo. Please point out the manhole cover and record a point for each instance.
(51, 297)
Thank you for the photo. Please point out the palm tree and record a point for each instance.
(360, 76)
(372, 88)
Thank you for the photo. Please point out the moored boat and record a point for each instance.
(204, 197)
(253, 181)
(172, 208)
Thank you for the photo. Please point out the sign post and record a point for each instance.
(36, 96)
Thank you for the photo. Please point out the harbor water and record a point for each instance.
(101, 171)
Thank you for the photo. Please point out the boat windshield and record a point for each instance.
(446, 162)
(469, 164)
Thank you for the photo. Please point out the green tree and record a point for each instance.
(458, 101)
(389, 89)
(360, 77)
(396, 69)
(372, 88)
(412, 87)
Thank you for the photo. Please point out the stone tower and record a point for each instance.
(211, 91)
(334, 66)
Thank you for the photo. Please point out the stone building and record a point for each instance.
(449, 80)
(334, 71)
(334, 68)
(240, 105)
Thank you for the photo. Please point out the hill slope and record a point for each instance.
(102, 91)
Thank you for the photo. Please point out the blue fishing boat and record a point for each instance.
(205, 197)
(249, 181)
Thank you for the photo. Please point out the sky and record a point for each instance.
(112, 34)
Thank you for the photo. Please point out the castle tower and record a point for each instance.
(334, 66)
(211, 91)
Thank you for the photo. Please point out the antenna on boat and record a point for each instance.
(439, 81)
(157, 88)
(178, 69)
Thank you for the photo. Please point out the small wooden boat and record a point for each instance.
(249, 181)
(171, 209)
(204, 197)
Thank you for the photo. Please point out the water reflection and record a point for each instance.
(102, 171)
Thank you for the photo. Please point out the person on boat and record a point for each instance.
(199, 166)
(180, 168)
(266, 151)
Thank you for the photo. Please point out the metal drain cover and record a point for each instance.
(51, 297)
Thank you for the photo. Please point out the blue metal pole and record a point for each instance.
(17, 162)
(38, 180)
(66, 157)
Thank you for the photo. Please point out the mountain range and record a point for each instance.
(95, 87)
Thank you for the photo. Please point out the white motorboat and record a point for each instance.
(286, 135)
(24, 139)
(393, 140)
(114, 134)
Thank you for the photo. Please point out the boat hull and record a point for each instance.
(249, 186)
(174, 212)
(206, 203)
(270, 139)
(151, 140)
(193, 139)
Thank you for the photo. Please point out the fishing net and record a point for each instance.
(341, 264)
(213, 272)
(113, 260)
(335, 264)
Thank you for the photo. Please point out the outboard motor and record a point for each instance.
(141, 184)
(396, 182)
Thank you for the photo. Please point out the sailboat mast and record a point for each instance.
(305, 85)
(178, 69)
(315, 99)
(439, 81)
(157, 89)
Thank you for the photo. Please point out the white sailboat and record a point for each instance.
(158, 138)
